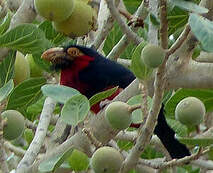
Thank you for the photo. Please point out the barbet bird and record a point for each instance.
(89, 72)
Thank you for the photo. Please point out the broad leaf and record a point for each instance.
(177, 18)
(5, 23)
(102, 95)
(138, 67)
(6, 90)
(202, 142)
(7, 68)
(137, 115)
(78, 161)
(179, 128)
(27, 38)
(54, 162)
(75, 110)
(26, 93)
(50, 33)
(59, 93)
(190, 6)
(206, 96)
(35, 109)
(202, 28)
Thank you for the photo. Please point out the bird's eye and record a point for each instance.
(73, 52)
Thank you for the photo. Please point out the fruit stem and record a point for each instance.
(134, 107)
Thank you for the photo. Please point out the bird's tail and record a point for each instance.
(167, 137)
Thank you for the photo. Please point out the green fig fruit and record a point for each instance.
(106, 160)
(190, 111)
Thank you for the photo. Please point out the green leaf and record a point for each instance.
(75, 110)
(125, 145)
(179, 128)
(25, 94)
(138, 67)
(190, 6)
(54, 162)
(137, 115)
(6, 90)
(59, 93)
(27, 38)
(102, 95)
(7, 68)
(78, 161)
(51, 34)
(177, 18)
(5, 23)
(205, 95)
(132, 5)
(40, 62)
(202, 28)
(28, 135)
(47, 28)
(35, 109)
(202, 142)
(113, 38)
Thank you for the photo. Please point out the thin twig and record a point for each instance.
(179, 41)
(163, 24)
(124, 27)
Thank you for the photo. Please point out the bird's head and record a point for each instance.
(63, 57)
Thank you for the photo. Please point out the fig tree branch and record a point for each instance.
(124, 27)
(39, 137)
(105, 24)
(117, 50)
(3, 155)
(163, 24)
(17, 150)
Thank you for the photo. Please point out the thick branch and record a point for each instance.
(39, 137)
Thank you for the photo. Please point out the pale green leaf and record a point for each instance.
(137, 115)
(190, 6)
(75, 110)
(54, 162)
(59, 93)
(202, 142)
(202, 28)
(6, 90)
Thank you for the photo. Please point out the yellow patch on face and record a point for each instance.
(74, 52)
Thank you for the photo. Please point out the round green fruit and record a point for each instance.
(79, 23)
(118, 115)
(190, 111)
(35, 70)
(14, 126)
(152, 55)
(106, 160)
(54, 10)
(21, 69)
(78, 161)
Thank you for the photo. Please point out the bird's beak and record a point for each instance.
(55, 55)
